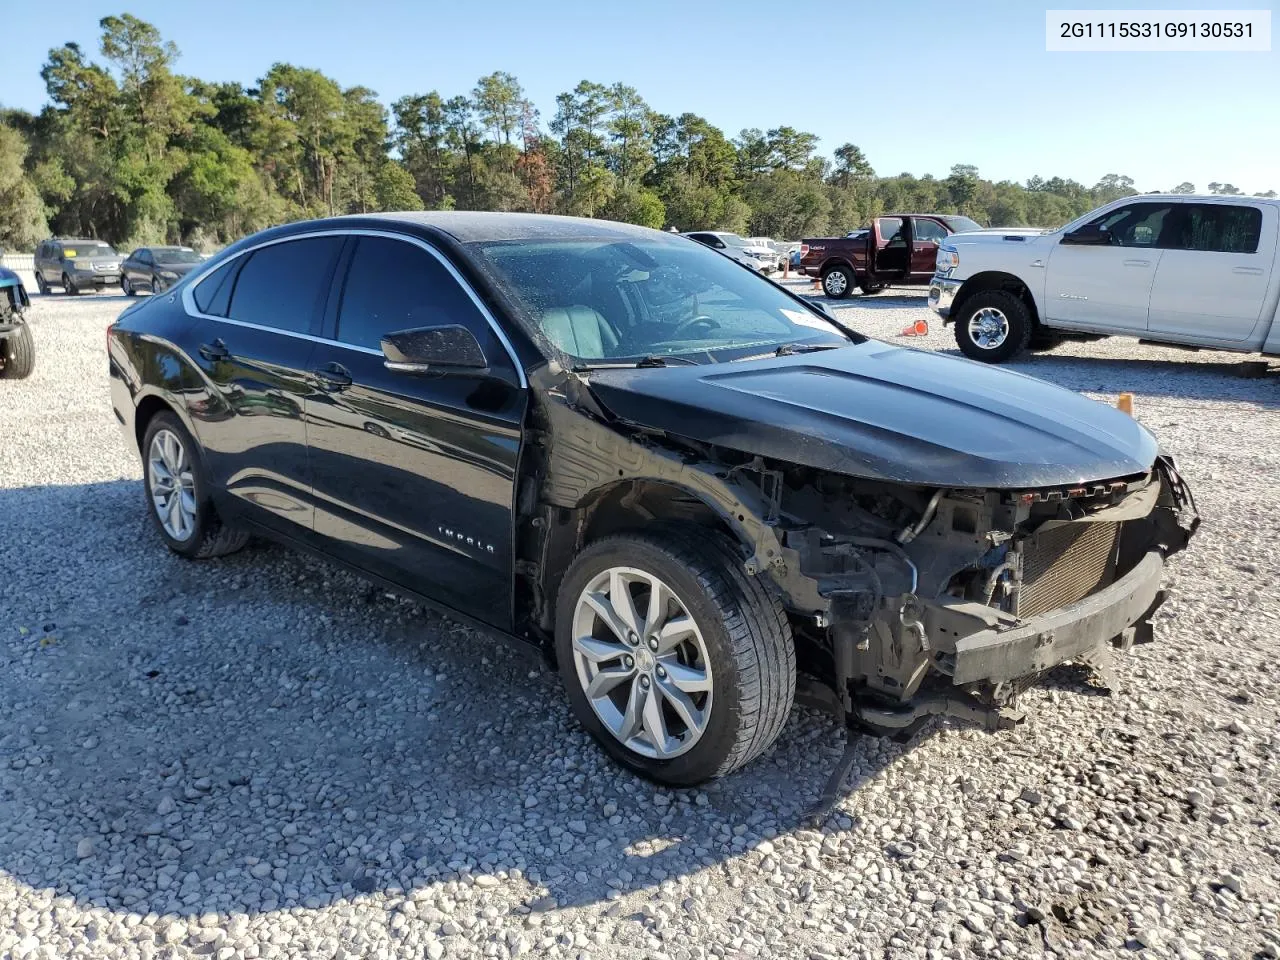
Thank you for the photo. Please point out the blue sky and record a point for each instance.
(918, 84)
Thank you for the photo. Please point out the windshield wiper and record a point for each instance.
(653, 360)
(789, 348)
(659, 360)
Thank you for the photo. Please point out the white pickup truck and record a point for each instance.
(1183, 270)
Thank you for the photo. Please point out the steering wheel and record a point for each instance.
(702, 320)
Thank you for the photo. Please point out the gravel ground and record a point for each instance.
(265, 757)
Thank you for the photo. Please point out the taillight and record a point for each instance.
(804, 249)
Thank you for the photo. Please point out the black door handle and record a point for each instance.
(333, 376)
(215, 351)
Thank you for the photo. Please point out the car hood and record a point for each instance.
(887, 413)
(181, 269)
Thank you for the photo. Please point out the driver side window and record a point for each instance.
(1137, 225)
(928, 231)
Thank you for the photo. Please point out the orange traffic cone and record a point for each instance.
(1124, 403)
(918, 329)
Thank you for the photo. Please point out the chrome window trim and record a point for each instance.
(189, 302)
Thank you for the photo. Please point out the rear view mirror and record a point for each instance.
(1090, 234)
(450, 349)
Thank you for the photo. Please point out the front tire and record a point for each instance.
(993, 326)
(17, 354)
(686, 687)
(69, 288)
(838, 282)
(178, 496)
(41, 285)
(127, 288)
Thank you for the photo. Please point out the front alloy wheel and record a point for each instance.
(680, 664)
(993, 326)
(642, 662)
(989, 328)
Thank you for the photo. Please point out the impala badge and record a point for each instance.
(467, 541)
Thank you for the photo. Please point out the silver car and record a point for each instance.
(76, 265)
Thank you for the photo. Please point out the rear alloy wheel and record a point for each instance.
(177, 498)
(993, 326)
(837, 282)
(675, 660)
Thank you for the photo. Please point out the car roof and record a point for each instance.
(467, 226)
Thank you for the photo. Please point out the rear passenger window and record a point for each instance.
(395, 285)
(214, 292)
(283, 285)
(1220, 228)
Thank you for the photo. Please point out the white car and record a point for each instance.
(779, 253)
(1177, 269)
(735, 247)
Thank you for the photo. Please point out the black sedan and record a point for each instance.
(152, 269)
(699, 493)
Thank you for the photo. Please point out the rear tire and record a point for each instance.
(736, 668)
(171, 463)
(992, 326)
(870, 288)
(838, 282)
(17, 354)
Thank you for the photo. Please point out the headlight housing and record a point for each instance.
(948, 259)
(168, 274)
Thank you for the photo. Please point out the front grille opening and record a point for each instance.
(1065, 564)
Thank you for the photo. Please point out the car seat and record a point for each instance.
(580, 331)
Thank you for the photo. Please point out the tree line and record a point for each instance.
(132, 152)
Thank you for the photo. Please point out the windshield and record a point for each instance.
(87, 250)
(175, 255)
(618, 301)
(962, 224)
(733, 240)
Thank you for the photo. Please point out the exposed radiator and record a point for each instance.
(1065, 564)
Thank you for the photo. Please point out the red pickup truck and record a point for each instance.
(901, 248)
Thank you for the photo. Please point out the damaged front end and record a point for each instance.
(925, 602)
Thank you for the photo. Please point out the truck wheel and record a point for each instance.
(680, 664)
(17, 354)
(178, 496)
(993, 326)
(837, 282)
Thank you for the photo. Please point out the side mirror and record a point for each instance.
(448, 350)
(1089, 235)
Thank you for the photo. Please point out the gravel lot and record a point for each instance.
(265, 757)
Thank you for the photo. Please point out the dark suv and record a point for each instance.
(701, 494)
(76, 265)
